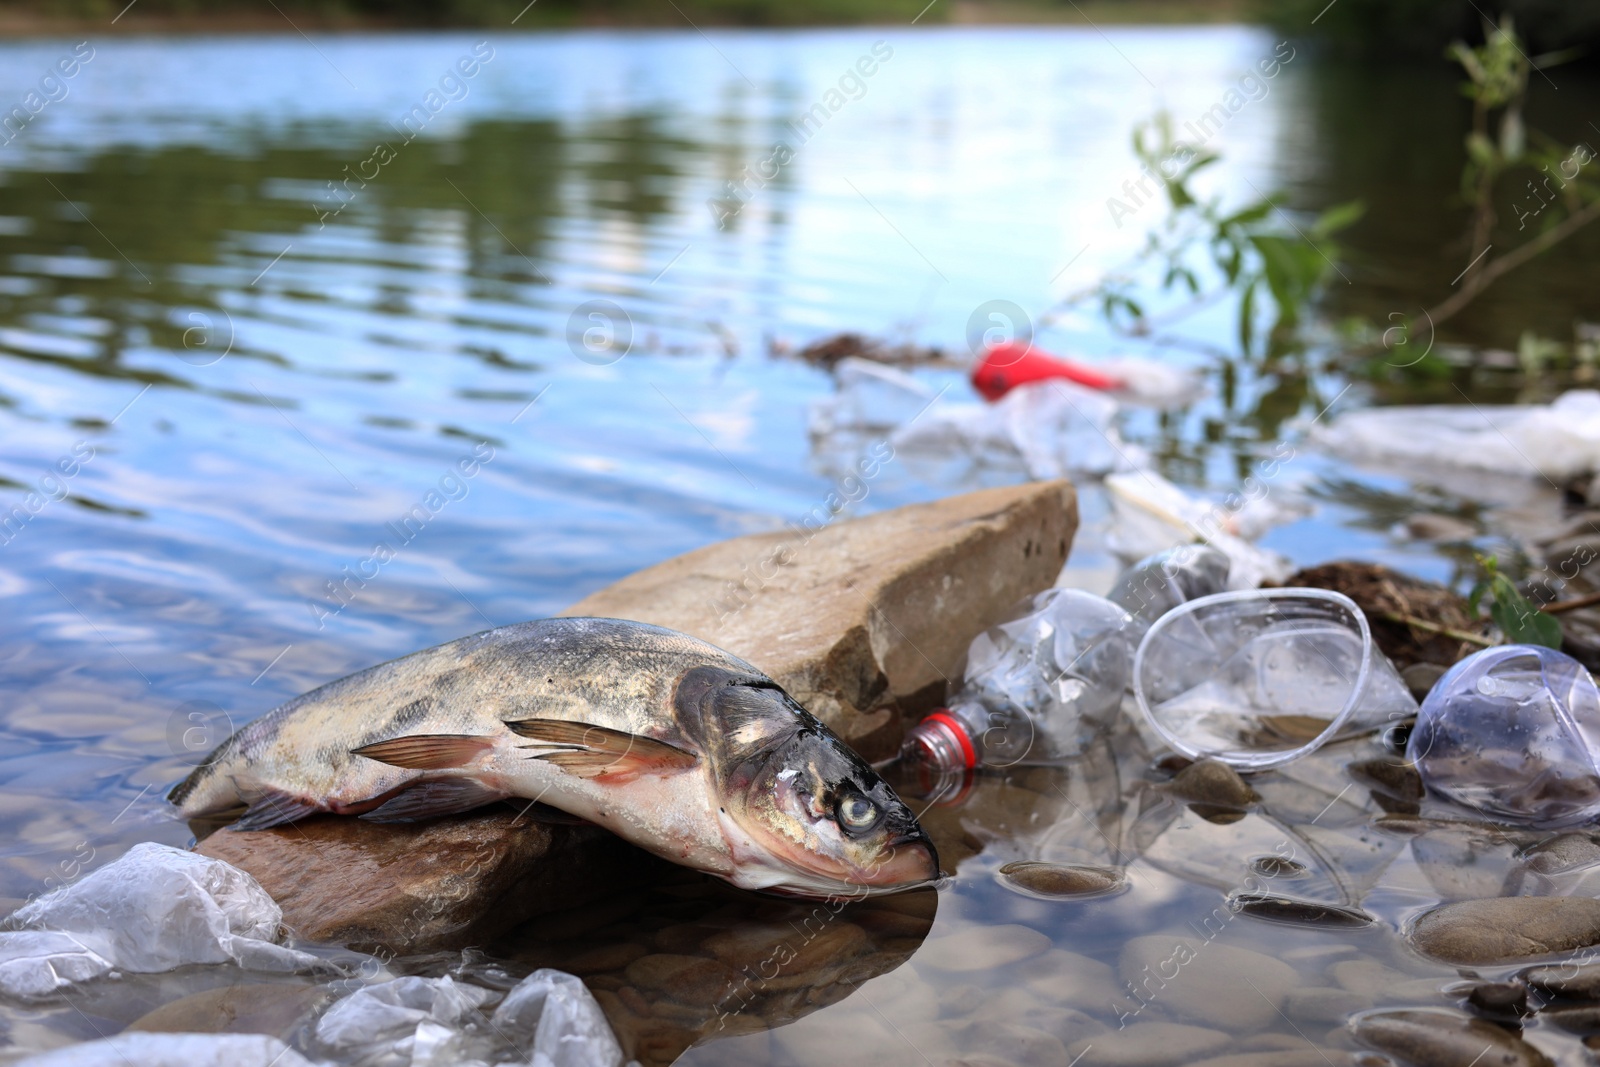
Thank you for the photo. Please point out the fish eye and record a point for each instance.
(857, 814)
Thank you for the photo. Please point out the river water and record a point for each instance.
(252, 362)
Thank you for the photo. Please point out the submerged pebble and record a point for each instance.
(1213, 782)
(1507, 928)
(1148, 1045)
(1499, 1000)
(1270, 866)
(1397, 778)
(1061, 880)
(981, 948)
(1443, 1038)
(1582, 1019)
(1575, 981)
(1220, 985)
(1300, 912)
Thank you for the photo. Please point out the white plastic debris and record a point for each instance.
(174, 1050)
(1150, 514)
(871, 397)
(154, 909)
(566, 1021)
(1555, 440)
(402, 1017)
(549, 1019)
(1148, 382)
(1051, 428)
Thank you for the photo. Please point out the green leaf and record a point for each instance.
(1247, 312)
(1338, 217)
(1518, 619)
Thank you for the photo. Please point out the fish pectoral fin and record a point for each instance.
(274, 808)
(427, 752)
(589, 751)
(431, 799)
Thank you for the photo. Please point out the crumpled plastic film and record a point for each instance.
(568, 1025)
(154, 909)
(174, 1050)
(549, 1019)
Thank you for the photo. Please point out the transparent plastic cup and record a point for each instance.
(1513, 732)
(1264, 676)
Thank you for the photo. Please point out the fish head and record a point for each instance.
(802, 813)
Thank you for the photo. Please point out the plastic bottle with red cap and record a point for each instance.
(1036, 687)
(1003, 367)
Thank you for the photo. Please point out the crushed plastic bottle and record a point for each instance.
(1157, 584)
(1513, 732)
(1036, 687)
(154, 909)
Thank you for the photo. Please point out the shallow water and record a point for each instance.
(247, 397)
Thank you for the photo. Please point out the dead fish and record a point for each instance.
(667, 741)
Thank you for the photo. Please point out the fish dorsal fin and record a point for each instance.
(427, 752)
(589, 751)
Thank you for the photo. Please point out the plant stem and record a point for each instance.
(1511, 261)
(1556, 607)
(1435, 628)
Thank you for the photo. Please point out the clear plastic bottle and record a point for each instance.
(1157, 584)
(1036, 687)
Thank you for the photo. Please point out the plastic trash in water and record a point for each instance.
(549, 1019)
(1004, 367)
(154, 909)
(870, 398)
(1261, 677)
(1150, 514)
(1036, 688)
(1053, 429)
(1513, 732)
(173, 1050)
(1557, 440)
(1157, 584)
(568, 1026)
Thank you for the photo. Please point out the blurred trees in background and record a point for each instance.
(1425, 28)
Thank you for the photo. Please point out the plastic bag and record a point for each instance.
(549, 1019)
(1513, 732)
(1555, 441)
(154, 909)
(173, 1050)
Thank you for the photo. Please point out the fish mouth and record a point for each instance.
(908, 861)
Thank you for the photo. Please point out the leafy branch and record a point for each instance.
(1205, 253)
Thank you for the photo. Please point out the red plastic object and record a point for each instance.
(1006, 366)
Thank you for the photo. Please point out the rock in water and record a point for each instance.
(442, 884)
(1441, 1038)
(1148, 1045)
(1212, 782)
(1061, 880)
(1233, 989)
(861, 616)
(1503, 929)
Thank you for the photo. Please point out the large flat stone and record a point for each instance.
(866, 618)
(443, 884)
